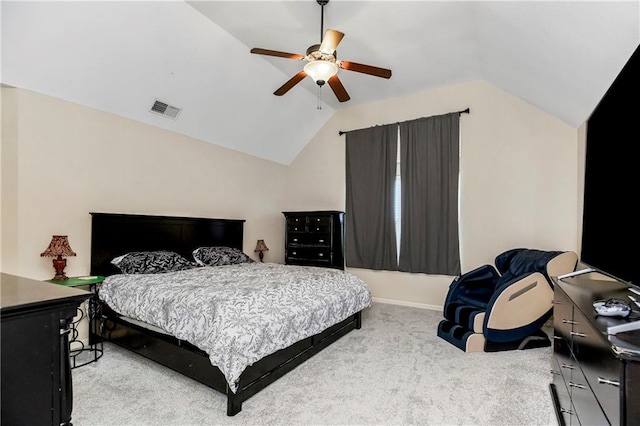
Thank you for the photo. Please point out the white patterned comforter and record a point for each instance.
(239, 314)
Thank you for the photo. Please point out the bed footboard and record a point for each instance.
(192, 362)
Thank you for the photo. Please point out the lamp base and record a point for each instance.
(260, 255)
(59, 264)
(58, 277)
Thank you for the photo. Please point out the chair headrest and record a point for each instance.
(516, 262)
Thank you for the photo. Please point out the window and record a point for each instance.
(402, 196)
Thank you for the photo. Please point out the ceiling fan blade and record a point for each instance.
(338, 89)
(330, 41)
(289, 84)
(365, 69)
(267, 52)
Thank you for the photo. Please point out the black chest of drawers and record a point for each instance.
(36, 371)
(596, 376)
(315, 238)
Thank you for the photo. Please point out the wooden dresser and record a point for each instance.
(315, 238)
(35, 367)
(596, 376)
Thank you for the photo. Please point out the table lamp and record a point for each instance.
(261, 247)
(59, 247)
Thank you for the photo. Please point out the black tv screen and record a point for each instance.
(611, 221)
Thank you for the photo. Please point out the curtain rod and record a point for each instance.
(341, 132)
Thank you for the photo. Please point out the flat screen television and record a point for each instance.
(611, 220)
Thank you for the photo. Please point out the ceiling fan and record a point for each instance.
(322, 63)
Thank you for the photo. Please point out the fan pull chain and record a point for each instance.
(319, 98)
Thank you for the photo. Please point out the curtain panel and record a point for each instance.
(429, 167)
(370, 236)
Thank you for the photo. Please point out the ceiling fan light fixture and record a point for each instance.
(322, 62)
(321, 71)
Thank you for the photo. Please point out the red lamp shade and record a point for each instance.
(59, 247)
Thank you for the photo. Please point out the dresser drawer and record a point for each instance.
(562, 316)
(565, 362)
(308, 239)
(584, 401)
(602, 370)
(564, 408)
(324, 263)
(309, 253)
(319, 224)
(296, 227)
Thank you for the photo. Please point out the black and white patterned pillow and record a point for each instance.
(152, 262)
(219, 256)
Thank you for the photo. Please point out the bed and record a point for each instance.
(248, 367)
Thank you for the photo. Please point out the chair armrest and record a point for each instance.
(562, 264)
(477, 282)
(519, 302)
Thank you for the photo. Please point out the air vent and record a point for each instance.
(165, 109)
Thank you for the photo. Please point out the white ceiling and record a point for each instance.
(560, 56)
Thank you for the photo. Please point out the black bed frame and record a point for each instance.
(116, 234)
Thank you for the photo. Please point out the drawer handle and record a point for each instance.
(317, 229)
(557, 373)
(575, 333)
(557, 337)
(295, 239)
(321, 241)
(556, 302)
(608, 382)
(293, 253)
(565, 411)
(320, 254)
(577, 386)
(568, 366)
(566, 321)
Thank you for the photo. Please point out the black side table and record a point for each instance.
(76, 347)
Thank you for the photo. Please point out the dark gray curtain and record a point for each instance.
(370, 235)
(429, 164)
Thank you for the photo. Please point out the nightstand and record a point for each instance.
(79, 353)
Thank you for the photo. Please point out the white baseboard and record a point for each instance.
(409, 304)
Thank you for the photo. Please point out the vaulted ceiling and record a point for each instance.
(119, 57)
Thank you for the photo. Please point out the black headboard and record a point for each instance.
(116, 234)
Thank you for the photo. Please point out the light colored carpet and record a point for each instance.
(393, 371)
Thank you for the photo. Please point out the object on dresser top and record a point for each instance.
(612, 308)
(220, 256)
(152, 262)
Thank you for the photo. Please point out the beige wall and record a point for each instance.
(8, 176)
(519, 179)
(61, 161)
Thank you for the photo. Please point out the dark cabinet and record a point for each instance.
(315, 238)
(595, 374)
(35, 367)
